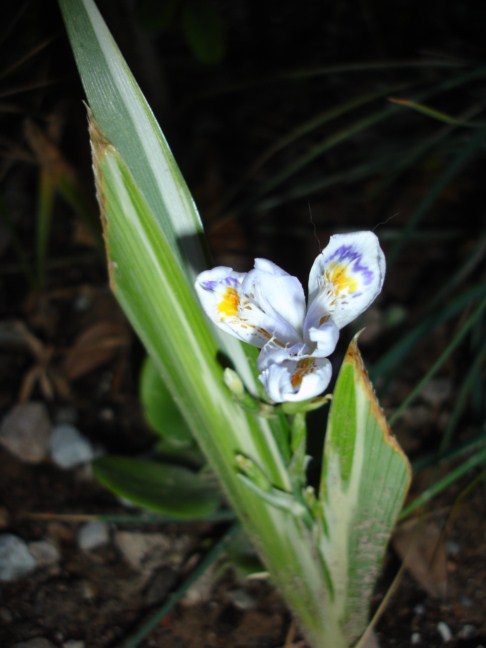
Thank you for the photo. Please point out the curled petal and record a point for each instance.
(296, 379)
(345, 278)
(225, 300)
(274, 353)
(325, 337)
(278, 294)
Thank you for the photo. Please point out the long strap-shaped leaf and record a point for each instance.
(364, 483)
(153, 292)
(123, 114)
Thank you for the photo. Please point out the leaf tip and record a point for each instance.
(100, 145)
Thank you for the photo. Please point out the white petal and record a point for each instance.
(248, 316)
(273, 353)
(296, 380)
(326, 337)
(345, 278)
(277, 293)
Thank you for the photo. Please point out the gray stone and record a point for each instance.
(69, 448)
(38, 642)
(44, 553)
(468, 631)
(92, 535)
(25, 432)
(15, 559)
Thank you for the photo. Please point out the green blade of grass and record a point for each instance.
(395, 356)
(457, 339)
(436, 488)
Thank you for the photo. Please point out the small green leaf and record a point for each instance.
(159, 487)
(160, 410)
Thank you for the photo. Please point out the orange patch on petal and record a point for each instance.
(304, 367)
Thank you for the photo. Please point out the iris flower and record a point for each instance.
(266, 307)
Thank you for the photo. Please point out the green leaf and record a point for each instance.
(364, 483)
(158, 487)
(124, 116)
(160, 410)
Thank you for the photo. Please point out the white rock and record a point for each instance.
(15, 559)
(69, 448)
(141, 549)
(444, 631)
(73, 643)
(25, 432)
(92, 535)
(241, 599)
(44, 553)
(148, 551)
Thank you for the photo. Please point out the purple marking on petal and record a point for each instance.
(209, 285)
(212, 284)
(347, 252)
(231, 281)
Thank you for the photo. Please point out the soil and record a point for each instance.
(97, 598)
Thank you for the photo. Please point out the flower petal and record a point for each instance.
(251, 317)
(325, 336)
(277, 293)
(345, 278)
(296, 379)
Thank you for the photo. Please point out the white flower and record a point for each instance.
(266, 307)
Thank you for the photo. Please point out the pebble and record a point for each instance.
(242, 600)
(465, 601)
(416, 638)
(419, 609)
(148, 551)
(444, 631)
(44, 553)
(437, 391)
(143, 551)
(468, 631)
(38, 642)
(15, 558)
(73, 643)
(92, 535)
(453, 548)
(69, 448)
(26, 431)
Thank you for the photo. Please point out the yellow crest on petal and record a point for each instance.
(228, 306)
(338, 275)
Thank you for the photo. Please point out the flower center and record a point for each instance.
(304, 367)
(338, 275)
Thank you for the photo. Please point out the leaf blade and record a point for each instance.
(367, 475)
(158, 487)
